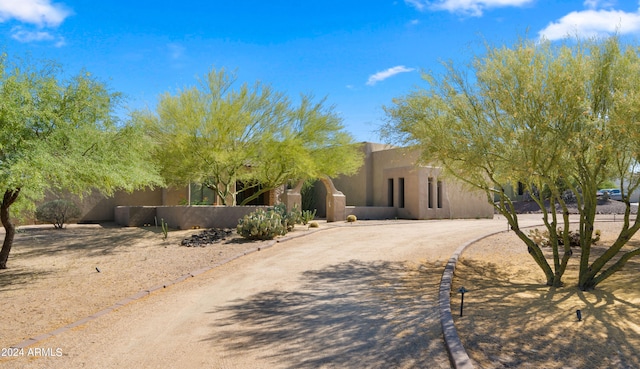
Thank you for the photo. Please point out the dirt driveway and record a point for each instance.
(352, 296)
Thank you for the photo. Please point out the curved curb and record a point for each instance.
(457, 354)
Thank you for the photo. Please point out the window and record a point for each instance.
(401, 192)
(430, 193)
(390, 191)
(439, 194)
(520, 188)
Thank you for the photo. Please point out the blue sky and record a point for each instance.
(359, 55)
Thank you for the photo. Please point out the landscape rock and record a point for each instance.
(207, 237)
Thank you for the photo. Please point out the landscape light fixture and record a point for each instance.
(462, 290)
(579, 314)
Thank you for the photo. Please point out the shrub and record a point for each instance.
(262, 225)
(307, 216)
(289, 219)
(57, 212)
(542, 238)
(351, 218)
(314, 225)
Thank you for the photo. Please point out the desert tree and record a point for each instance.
(220, 134)
(59, 132)
(550, 116)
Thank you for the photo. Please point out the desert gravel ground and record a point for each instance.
(512, 320)
(357, 295)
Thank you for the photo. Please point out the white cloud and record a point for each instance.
(589, 23)
(38, 12)
(24, 35)
(598, 4)
(473, 8)
(418, 4)
(381, 76)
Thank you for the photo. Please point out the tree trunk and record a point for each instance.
(9, 198)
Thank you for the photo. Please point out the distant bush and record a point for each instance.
(351, 218)
(543, 238)
(57, 212)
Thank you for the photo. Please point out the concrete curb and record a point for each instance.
(457, 354)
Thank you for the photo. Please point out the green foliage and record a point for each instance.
(289, 219)
(351, 218)
(165, 229)
(262, 225)
(219, 134)
(57, 212)
(608, 184)
(62, 133)
(556, 116)
(308, 194)
(314, 225)
(307, 216)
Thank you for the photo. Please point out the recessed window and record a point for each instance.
(430, 193)
(401, 192)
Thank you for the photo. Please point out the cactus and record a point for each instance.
(351, 218)
(261, 225)
(165, 229)
(307, 216)
(289, 219)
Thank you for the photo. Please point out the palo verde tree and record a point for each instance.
(59, 133)
(221, 135)
(551, 116)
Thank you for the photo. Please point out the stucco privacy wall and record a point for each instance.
(183, 217)
(95, 207)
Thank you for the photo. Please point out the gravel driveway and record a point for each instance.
(360, 295)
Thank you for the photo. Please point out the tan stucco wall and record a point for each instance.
(384, 161)
(96, 207)
(182, 217)
(370, 187)
(360, 185)
(468, 203)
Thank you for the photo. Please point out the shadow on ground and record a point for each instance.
(350, 315)
(15, 279)
(510, 323)
(89, 241)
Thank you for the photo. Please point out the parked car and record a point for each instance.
(612, 193)
(615, 194)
